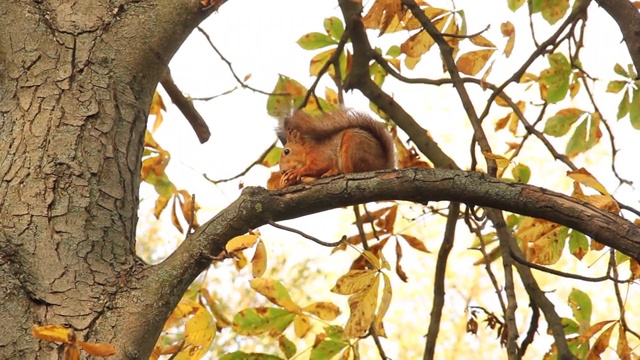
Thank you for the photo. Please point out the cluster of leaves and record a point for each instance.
(72, 346)
(155, 160)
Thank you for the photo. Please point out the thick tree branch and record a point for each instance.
(257, 206)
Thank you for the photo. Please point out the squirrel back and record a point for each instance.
(342, 141)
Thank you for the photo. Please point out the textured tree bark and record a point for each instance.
(76, 81)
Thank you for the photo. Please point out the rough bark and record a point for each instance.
(76, 83)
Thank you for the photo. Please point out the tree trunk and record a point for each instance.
(76, 81)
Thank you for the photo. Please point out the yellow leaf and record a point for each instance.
(324, 310)
(354, 281)
(57, 333)
(501, 161)
(472, 62)
(509, 32)
(301, 325)
(363, 308)
(584, 177)
(239, 260)
(200, 330)
(157, 105)
(331, 96)
(623, 349)
(259, 260)
(98, 349)
(385, 301)
(480, 40)
(275, 292)
(214, 307)
(372, 258)
(547, 249)
(241, 242)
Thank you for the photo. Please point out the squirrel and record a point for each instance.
(342, 141)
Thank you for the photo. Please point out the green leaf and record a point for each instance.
(581, 306)
(334, 27)
(560, 123)
(255, 321)
(555, 80)
(578, 244)
(273, 157)
(616, 86)
(634, 111)
(580, 141)
(569, 326)
(618, 69)
(287, 95)
(241, 355)
(536, 6)
(287, 347)
(554, 10)
(394, 51)
(521, 173)
(315, 40)
(514, 4)
(624, 106)
(327, 349)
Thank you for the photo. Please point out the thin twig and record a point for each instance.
(304, 235)
(246, 170)
(439, 279)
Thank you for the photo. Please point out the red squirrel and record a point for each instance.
(343, 141)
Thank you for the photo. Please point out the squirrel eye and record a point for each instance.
(286, 151)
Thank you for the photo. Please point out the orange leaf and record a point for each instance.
(401, 274)
(57, 333)
(415, 243)
(98, 349)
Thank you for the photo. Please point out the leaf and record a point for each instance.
(301, 325)
(259, 260)
(275, 292)
(554, 10)
(482, 41)
(501, 161)
(601, 344)
(618, 69)
(200, 328)
(71, 352)
(287, 347)
(508, 30)
(241, 242)
(157, 105)
(622, 348)
(255, 321)
(472, 62)
(56, 333)
(582, 141)
(272, 157)
(315, 40)
(385, 301)
(578, 244)
(634, 110)
(323, 310)
(334, 27)
(559, 124)
(554, 81)
(547, 249)
(363, 307)
(98, 349)
(624, 107)
(514, 4)
(521, 173)
(615, 86)
(401, 274)
(354, 281)
(580, 304)
(327, 349)
(415, 243)
(584, 177)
